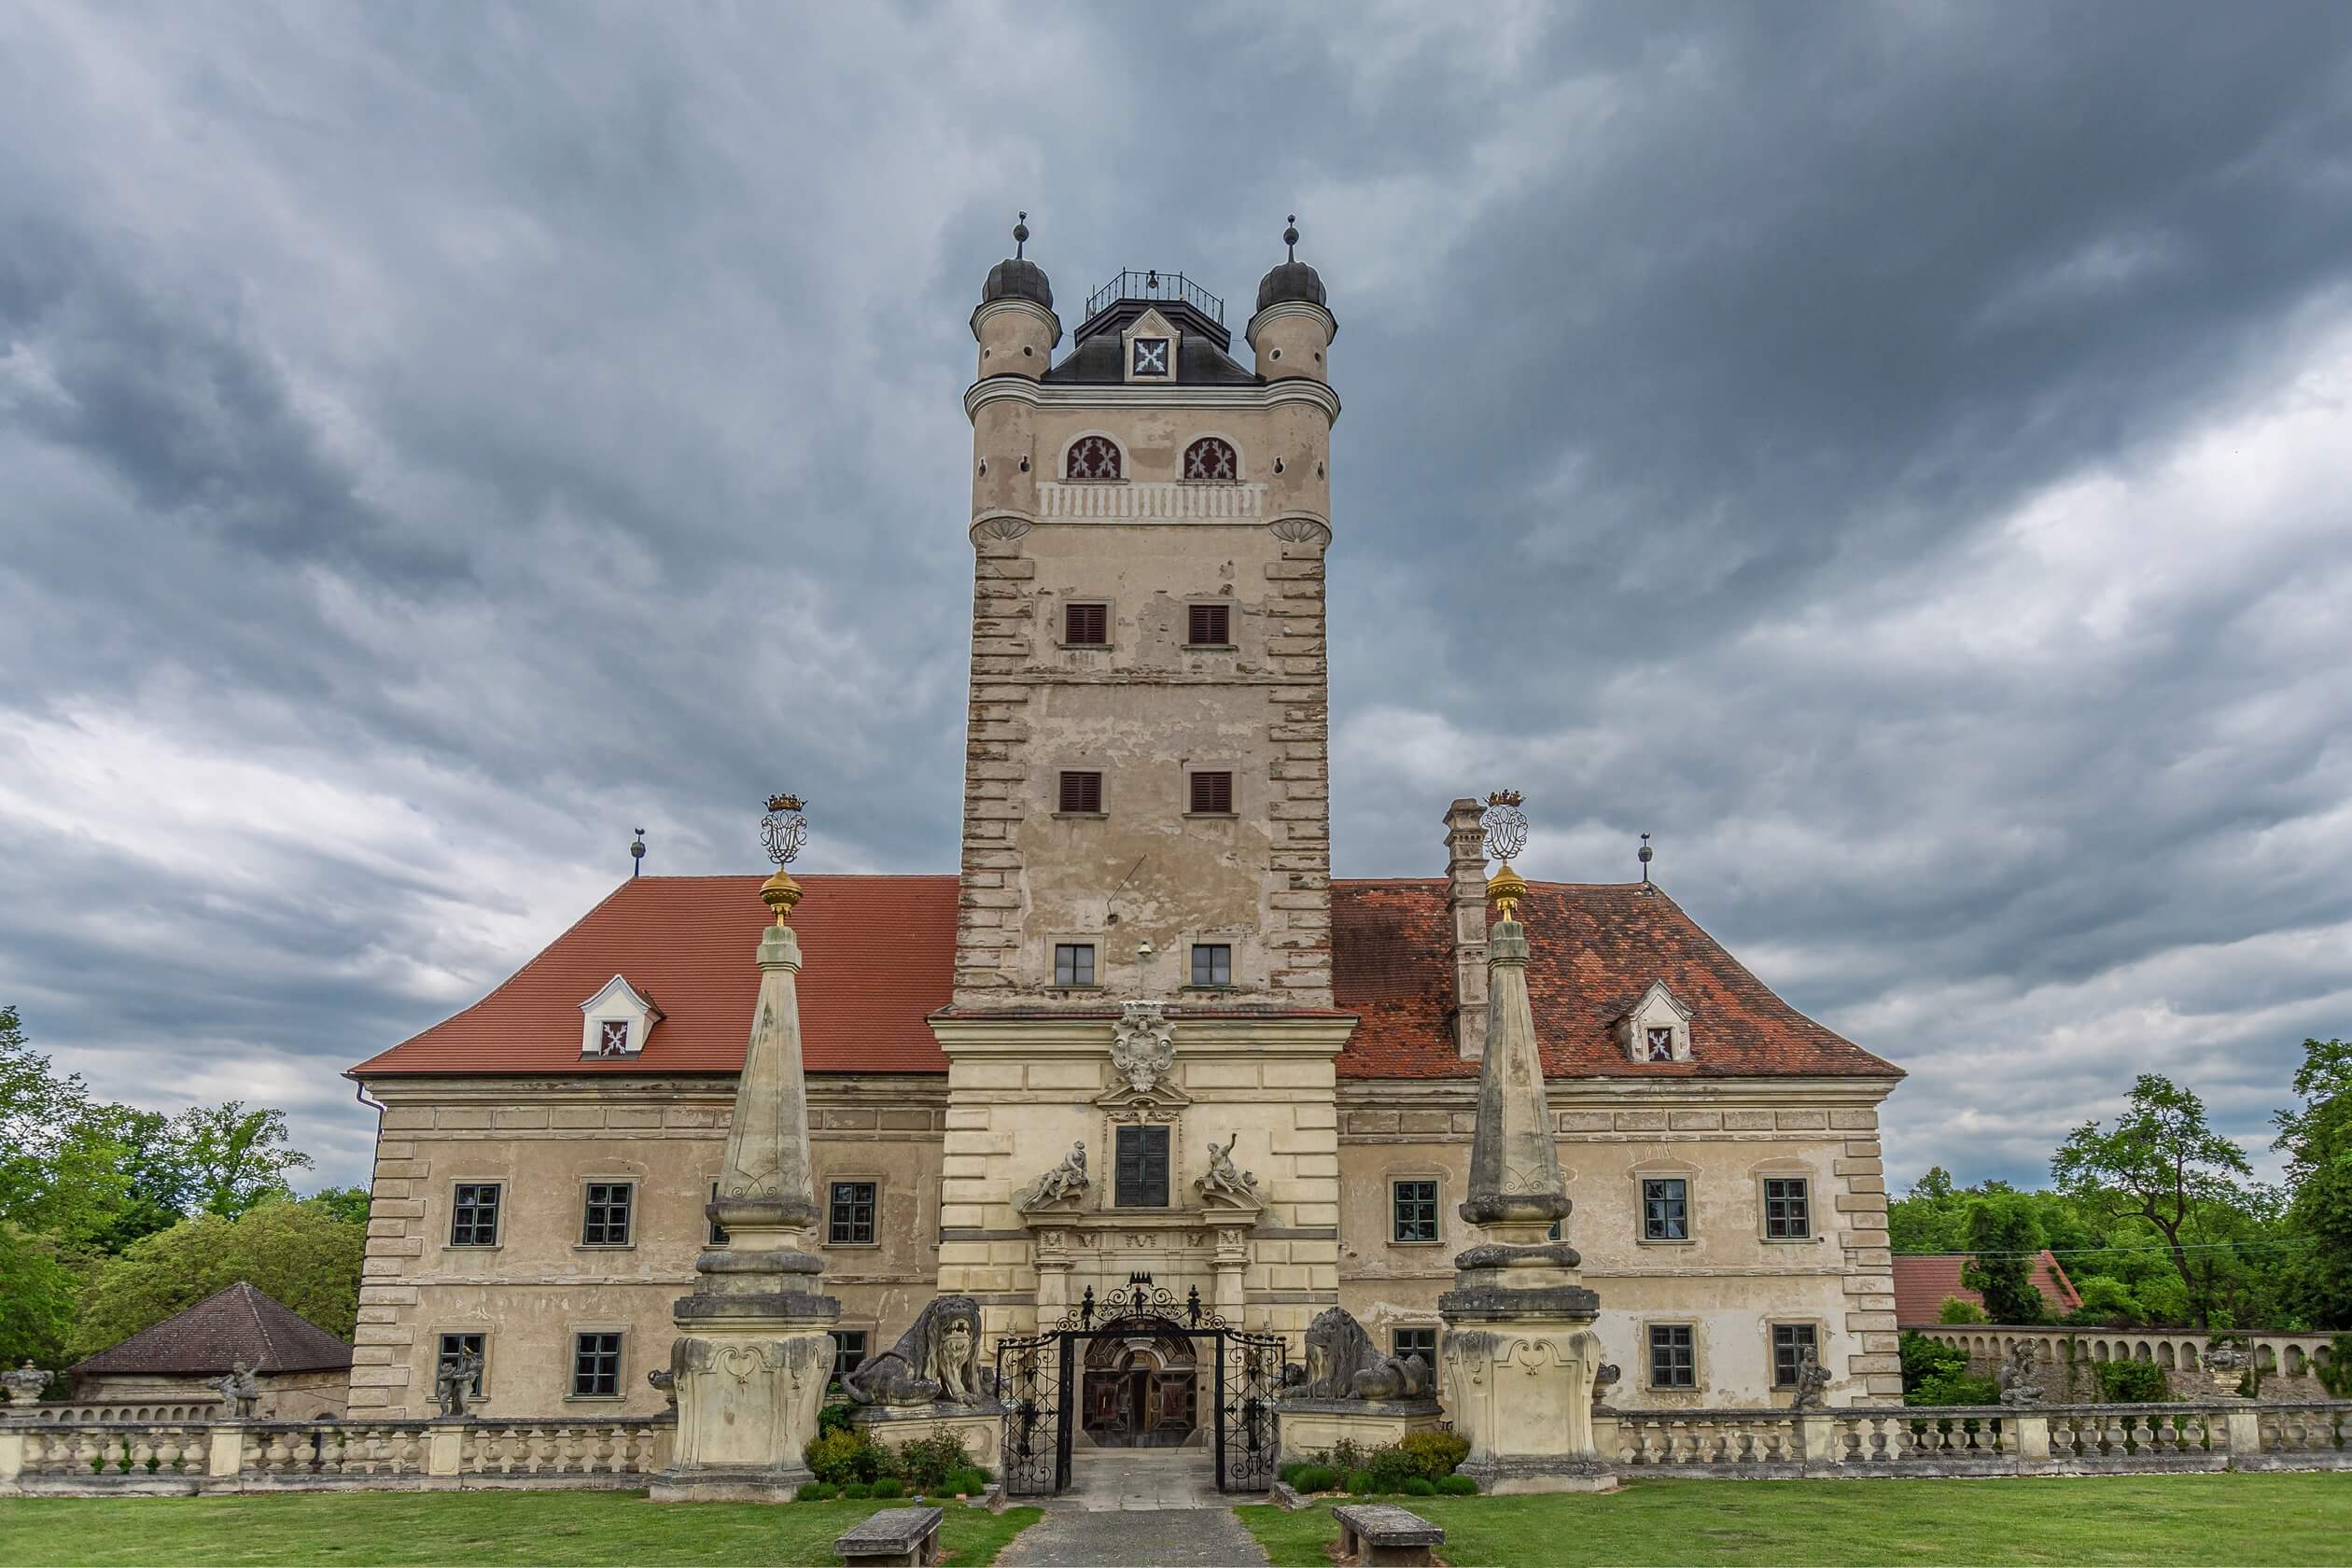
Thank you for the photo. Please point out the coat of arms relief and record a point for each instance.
(1143, 1045)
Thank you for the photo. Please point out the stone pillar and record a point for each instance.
(1466, 905)
(1230, 1264)
(1519, 1357)
(754, 1349)
(224, 1451)
(445, 1447)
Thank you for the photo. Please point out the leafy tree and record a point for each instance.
(1960, 1309)
(234, 1158)
(2162, 1163)
(1926, 1218)
(303, 1252)
(349, 1203)
(36, 1299)
(2004, 1247)
(2317, 1141)
(2107, 1302)
(37, 1105)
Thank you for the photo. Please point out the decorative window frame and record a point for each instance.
(1671, 1171)
(616, 1000)
(1785, 1169)
(856, 1173)
(1389, 1179)
(1144, 1115)
(1240, 457)
(1658, 1008)
(1151, 323)
(1697, 1392)
(1061, 459)
(572, 1330)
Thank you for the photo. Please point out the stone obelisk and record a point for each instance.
(1519, 1357)
(754, 1351)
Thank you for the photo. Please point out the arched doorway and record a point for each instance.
(1142, 1387)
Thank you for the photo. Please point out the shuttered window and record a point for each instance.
(1086, 625)
(1140, 1173)
(1212, 794)
(1082, 793)
(1212, 625)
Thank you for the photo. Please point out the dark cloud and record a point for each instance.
(1895, 455)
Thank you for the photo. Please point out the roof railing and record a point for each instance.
(1153, 284)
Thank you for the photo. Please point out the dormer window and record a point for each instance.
(1151, 357)
(1092, 457)
(1661, 1039)
(612, 1037)
(616, 1021)
(1211, 459)
(1655, 1028)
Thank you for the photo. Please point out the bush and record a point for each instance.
(1420, 1485)
(1391, 1466)
(817, 1491)
(966, 1482)
(1956, 1310)
(2132, 1383)
(1457, 1486)
(888, 1486)
(1925, 1358)
(832, 1418)
(2335, 1373)
(847, 1455)
(1434, 1454)
(1313, 1477)
(925, 1463)
(1954, 1388)
(858, 1489)
(1362, 1483)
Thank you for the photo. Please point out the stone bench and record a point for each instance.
(1380, 1533)
(894, 1536)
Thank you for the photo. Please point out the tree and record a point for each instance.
(35, 1107)
(2317, 1141)
(2004, 1246)
(234, 1158)
(1925, 1219)
(2160, 1164)
(303, 1252)
(349, 1203)
(36, 1299)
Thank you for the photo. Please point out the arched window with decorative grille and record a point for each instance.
(1211, 459)
(1092, 457)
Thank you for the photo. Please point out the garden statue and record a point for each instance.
(1224, 1183)
(2019, 1377)
(24, 1384)
(1813, 1381)
(666, 1380)
(1065, 1183)
(936, 1362)
(1342, 1363)
(239, 1389)
(453, 1381)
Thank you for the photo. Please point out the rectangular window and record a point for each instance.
(595, 1365)
(717, 1235)
(612, 1037)
(1787, 1212)
(1790, 1341)
(1415, 1207)
(455, 1345)
(1422, 1342)
(1073, 963)
(473, 1214)
(606, 1222)
(849, 1350)
(849, 1214)
(1661, 1044)
(1082, 794)
(1213, 964)
(1139, 1176)
(1673, 1363)
(1665, 1209)
(1212, 794)
(1086, 625)
(1211, 626)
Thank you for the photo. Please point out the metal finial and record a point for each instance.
(637, 851)
(1645, 857)
(1506, 827)
(784, 830)
(1020, 235)
(1290, 235)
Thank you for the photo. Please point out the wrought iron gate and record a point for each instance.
(1038, 1382)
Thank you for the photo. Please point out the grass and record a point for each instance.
(472, 1528)
(2207, 1519)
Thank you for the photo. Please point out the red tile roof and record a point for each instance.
(238, 1323)
(1923, 1280)
(880, 954)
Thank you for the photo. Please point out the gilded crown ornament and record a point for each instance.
(783, 830)
(1506, 827)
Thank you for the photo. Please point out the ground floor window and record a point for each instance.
(849, 1350)
(1790, 1341)
(1422, 1342)
(595, 1365)
(1674, 1357)
(456, 1344)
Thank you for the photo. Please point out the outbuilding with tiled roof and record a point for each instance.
(301, 1369)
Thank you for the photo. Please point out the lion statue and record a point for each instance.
(1342, 1363)
(936, 1362)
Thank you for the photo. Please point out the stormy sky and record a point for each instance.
(1897, 455)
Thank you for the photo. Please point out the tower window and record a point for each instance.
(1082, 794)
(1086, 625)
(1211, 459)
(1092, 457)
(1151, 356)
(1073, 963)
(1212, 794)
(1209, 625)
(1213, 964)
(1140, 1171)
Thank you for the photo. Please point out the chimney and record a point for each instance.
(1466, 904)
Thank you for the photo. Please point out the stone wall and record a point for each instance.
(2289, 1362)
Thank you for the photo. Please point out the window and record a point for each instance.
(612, 1036)
(1213, 964)
(1082, 794)
(849, 1214)
(606, 1223)
(455, 1345)
(595, 1366)
(1212, 794)
(1553, 1234)
(1790, 1341)
(1086, 625)
(1073, 963)
(1665, 1209)
(473, 1214)
(718, 1232)
(1415, 1209)
(1661, 1044)
(1787, 1212)
(1140, 1172)
(1673, 1362)
(1209, 625)
(1211, 459)
(1422, 1342)
(1151, 356)
(849, 1350)
(1092, 457)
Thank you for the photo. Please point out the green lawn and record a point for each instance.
(471, 1528)
(2206, 1519)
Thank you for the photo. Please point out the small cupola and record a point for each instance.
(616, 1021)
(1018, 278)
(1292, 279)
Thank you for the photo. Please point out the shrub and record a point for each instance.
(858, 1489)
(1954, 1388)
(2335, 1373)
(1362, 1483)
(888, 1486)
(1925, 1358)
(1291, 1472)
(2132, 1383)
(1315, 1478)
(925, 1463)
(845, 1456)
(832, 1418)
(1420, 1485)
(1956, 1310)
(817, 1491)
(1434, 1454)
(1457, 1486)
(1391, 1466)
(966, 1482)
